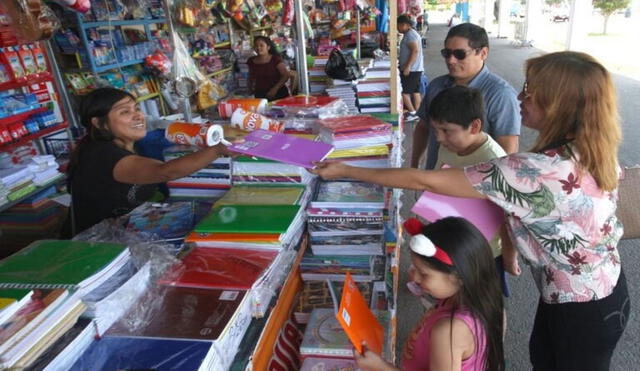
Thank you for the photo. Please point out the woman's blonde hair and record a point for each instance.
(578, 98)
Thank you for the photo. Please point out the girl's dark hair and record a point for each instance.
(480, 292)
(96, 104)
(273, 50)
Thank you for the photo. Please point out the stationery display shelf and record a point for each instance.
(34, 136)
(20, 116)
(53, 181)
(148, 96)
(16, 85)
(134, 22)
(220, 72)
(112, 66)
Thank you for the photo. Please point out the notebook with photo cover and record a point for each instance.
(329, 364)
(168, 221)
(249, 219)
(348, 194)
(284, 148)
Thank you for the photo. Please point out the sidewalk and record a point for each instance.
(507, 61)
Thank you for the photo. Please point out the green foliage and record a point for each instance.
(608, 7)
(554, 2)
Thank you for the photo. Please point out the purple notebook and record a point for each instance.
(283, 148)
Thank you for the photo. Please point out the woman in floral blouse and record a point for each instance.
(560, 201)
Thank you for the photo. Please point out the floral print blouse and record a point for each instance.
(564, 226)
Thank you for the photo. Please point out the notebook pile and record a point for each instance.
(211, 181)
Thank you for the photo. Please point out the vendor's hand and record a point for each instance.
(330, 170)
(370, 360)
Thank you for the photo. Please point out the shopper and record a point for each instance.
(106, 177)
(268, 74)
(463, 331)
(466, 49)
(560, 200)
(411, 63)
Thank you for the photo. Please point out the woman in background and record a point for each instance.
(268, 73)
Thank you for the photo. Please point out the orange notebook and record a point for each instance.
(233, 237)
(357, 320)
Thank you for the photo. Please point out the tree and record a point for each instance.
(608, 7)
(554, 2)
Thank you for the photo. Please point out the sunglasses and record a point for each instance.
(459, 54)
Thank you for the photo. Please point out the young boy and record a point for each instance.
(456, 115)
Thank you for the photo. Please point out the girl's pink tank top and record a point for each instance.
(416, 355)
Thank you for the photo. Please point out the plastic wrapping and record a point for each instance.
(311, 107)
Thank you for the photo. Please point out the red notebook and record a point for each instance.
(219, 268)
(354, 123)
(180, 313)
(304, 101)
(357, 320)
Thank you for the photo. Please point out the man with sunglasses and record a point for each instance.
(411, 62)
(466, 49)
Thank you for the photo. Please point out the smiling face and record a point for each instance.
(456, 138)
(261, 47)
(463, 70)
(126, 122)
(438, 284)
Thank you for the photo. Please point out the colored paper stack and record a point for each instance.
(374, 90)
(345, 90)
(354, 131)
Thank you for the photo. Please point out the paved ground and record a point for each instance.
(507, 61)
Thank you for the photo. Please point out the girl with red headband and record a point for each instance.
(453, 263)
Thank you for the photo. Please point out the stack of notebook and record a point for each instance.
(254, 226)
(345, 90)
(164, 222)
(317, 80)
(255, 170)
(354, 131)
(56, 275)
(374, 90)
(15, 182)
(211, 181)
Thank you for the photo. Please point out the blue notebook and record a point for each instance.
(123, 353)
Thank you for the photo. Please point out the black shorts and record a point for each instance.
(411, 83)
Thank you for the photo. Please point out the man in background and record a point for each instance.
(411, 64)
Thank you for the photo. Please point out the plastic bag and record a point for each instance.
(342, 66)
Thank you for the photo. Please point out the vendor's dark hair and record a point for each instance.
(405, 19)
(476, 35)
(96, 104)
(273, 49)
(458, 105)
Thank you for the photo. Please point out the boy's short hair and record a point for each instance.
(458, 105)
(405, 19)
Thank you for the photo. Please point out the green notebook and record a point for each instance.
(56, 263)
(266, 195)
(248, 219)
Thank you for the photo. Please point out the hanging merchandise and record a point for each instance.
(209, 94)
(287, 16)
(159, 63)
(31, 19)
(81, 6)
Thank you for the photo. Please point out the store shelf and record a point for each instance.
(220, 72)
(36, 135)
(16, 85)
(20, 116)
(148, 96)
(134, 22)
(53, 181)
(108, 67)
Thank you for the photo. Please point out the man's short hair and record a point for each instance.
(476, 35)
(405, 19)
(458, 105)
